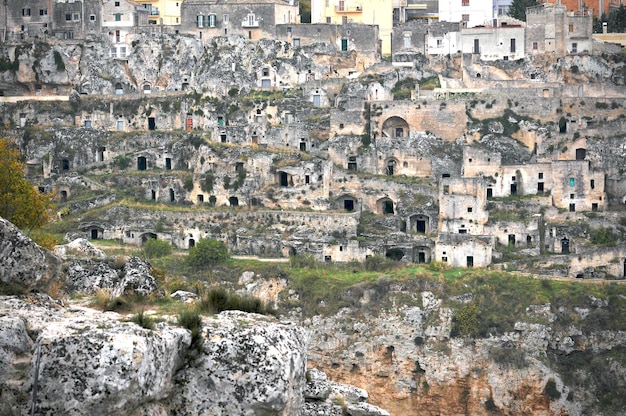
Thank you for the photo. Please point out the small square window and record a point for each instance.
(512, 178)
(540, 175)
(117, 4)
(571, 196)
(469, 209)
(92, 18)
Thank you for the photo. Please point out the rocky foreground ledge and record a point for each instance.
(78, 361)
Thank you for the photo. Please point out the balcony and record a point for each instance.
(351, 9)
(248, 23)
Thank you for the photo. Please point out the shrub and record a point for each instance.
(207, 184)
(191, 319)
(154, 248)
(465, 321)
(122, 162)
(58, 61)
(509, 357)
(551, 391)
(207, 252)
(603, 237)
(188, 183)
(143, 320)
(378, 263)
(302, 261)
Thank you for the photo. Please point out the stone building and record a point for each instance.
(462, 203)
(22, 21)
(253, 19)
(419, 36)
(504, 39)
(162, 12)
(550, 28)
(371, 12)
(469, 13)
(462, 250)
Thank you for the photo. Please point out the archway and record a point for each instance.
(395, 127)
(147, 236)
(395, 254)
(385, 206)
(420, 223)
(233, 201)
(391, 166)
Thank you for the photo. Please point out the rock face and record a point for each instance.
(23, 264)
(77, 361)
(131, 276)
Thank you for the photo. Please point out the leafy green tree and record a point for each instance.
(154, 248)
(603, 237)
(518, 8)
(305, 11)
(20, 202)
(617, 20)
(207, 252)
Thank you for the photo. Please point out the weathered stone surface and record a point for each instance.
(88, 276)
(248, 365)
(80, 247)
(23, 264)
(184, 296)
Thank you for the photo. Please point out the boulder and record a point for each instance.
(24, 265)
(79, 247)
(248, 365)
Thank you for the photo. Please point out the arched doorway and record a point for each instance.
(385, 206)
(395, 128)
(395, 254)
(420, 223)
(147, 236)
(233, 201)
(192, 243)
(391, 166)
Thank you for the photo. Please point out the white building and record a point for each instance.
(504, 40)
(471, 12)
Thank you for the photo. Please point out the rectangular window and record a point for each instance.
(200, 21)
(76, 17)
(570, 28)
(68, 17)
(118, 17)
(465, 17)
(92, 18)
(465, 3)
(344, 44)
(250, 20)
(574, 47)
(572, 182)
(572, 207)
(407, 41)
(572, 196)
(327, 3)
(123, 52)
(512, 45)
(212, 20)
(535, 46)
(113, 52)
(342, 5)
(225, 19)
(43, 12)
(69, 34)
(440, 43)
(593, 184)
(469, 209)
(444, 259)
(540, 175)
(26, 11)
(296, 42)
(328, 20)
(117, 4)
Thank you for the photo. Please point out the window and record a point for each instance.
(327, 3)
(212, 20)
(570, 28)
(407, 40)
(118, 17)
(465, 17)
(572, 207)
(117, 4)
(535, 46)
(444, 259)
(593, 184)
(342, 5)
(69, 34)
(123, 52)
(440, 43)
(469, 209)
(68, 17)
(225, 19)
(92, 18)
(200, 21)
(26, 11)
(574, 47)
(251, 20)
(540, 175)
(344, 20)
(571, 196)
(296, 42)
(572, 182)
(113, 52)
(512, 45)
(76, 17)
(344, 44)
(465, 3)
(43, 12)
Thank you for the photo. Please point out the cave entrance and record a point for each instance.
(394, 254)
(151, 123)
(142, 164)
(233, 201)
(148, 236)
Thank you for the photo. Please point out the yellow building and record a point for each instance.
(165, 12)
(370, 12)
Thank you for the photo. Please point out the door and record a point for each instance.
(421, 257)
(151, 123)
(189, 123)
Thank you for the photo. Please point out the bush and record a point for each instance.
(465, 321)
(191, 319)
(122, 162)
(302, 261)
(207, 252)
(188, 183)
(509, 357)
(378, 264)
(603, 237)
(143, 320)
(551, 391)
(218, 300)
(154, 248)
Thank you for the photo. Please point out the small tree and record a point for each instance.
(20, 202)
(154, 248)
(518, 8)
(207, 252)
